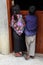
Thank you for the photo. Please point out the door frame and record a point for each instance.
(9, 29)
(8, 2)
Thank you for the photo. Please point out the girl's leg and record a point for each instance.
(16, 40)
(22, 44)
(18, 54)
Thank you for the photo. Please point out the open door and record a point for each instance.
(9, 19)
(39, 39)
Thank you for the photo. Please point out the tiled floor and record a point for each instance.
(12, 60)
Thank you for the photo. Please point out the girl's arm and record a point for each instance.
(23, 22)
(13, 22)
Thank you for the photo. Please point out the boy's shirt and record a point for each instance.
(31, 25)
(18, 26)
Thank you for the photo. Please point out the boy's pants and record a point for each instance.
(30, 44)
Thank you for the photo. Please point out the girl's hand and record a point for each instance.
(18, 28)
(23, 22)
(21, 28)
(15, 25)
(19, 33)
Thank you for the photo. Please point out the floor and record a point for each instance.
(12, 60)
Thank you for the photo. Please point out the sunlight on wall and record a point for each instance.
(4, 36)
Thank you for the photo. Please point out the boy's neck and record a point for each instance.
(31, 13)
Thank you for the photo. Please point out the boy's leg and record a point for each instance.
(32, 46)
(27, 40)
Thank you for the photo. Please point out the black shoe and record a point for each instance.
(32, 57)
(26, 56)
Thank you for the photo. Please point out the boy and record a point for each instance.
(30, 32)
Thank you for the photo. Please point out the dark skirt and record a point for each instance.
(19, 42)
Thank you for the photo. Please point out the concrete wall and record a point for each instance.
(4, 34)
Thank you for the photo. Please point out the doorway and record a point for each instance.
(39, 39)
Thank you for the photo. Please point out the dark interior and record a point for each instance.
(24, 4)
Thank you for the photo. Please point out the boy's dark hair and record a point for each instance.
(32, 9)
(16, 9)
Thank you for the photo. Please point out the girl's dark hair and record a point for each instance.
(15, 18)
(16, 9)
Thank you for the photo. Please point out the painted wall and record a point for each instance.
(4, 36)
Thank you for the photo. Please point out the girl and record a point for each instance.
(18, 24)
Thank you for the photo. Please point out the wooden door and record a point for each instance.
(39, 36)
(39, 39)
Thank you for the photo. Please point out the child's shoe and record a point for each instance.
(26, 56)
(18, 55)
